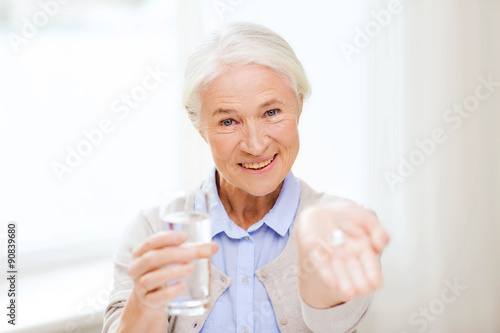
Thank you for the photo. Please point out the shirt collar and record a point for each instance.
(279, 218)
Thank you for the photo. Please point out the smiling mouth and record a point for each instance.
(258, 166)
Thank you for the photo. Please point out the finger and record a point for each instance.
(357, 275)
(159, 240)
(372, 268)
(155, 259)
(323, 267)
(380, 238)
(369, 221)
(157, 279)
(350, 217)
(202, 250)
(351, 229)
(161, 296)
(215, 248)
(346, 288)
(328, 277)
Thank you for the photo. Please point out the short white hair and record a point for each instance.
(237, 44)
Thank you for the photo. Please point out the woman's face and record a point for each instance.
(249, 118)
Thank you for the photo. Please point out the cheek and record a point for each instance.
(287, 135)
(222, 147)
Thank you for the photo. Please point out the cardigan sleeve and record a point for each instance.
(341, 318)
(135, 234)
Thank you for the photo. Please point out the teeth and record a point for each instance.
(257, 165)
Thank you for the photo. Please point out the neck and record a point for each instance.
(243, 208)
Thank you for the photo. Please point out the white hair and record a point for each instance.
(236, 44)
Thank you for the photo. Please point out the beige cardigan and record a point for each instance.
(279, 278)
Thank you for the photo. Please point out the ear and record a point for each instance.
(301, 103)
(203, 135)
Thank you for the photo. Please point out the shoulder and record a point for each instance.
(146, 223)
(310, 196)
(151, 218)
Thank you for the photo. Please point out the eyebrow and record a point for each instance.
(271, 102)
(263, 105)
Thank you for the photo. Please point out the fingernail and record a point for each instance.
(204, 250)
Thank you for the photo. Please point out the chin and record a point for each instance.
(260, 191)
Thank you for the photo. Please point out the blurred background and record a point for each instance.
(404, 118)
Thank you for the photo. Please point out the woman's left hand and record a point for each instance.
(330, 274)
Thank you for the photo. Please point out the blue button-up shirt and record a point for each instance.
(245, 305)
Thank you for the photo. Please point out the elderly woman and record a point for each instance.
(285, 258)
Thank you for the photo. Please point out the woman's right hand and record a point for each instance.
(151, 268)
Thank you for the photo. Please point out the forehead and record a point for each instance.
(249, 84)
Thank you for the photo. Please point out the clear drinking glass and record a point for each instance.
(188, 211)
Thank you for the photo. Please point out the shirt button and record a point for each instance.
(246, 237)
(244, 330)
(264, 274)
(244, 280)
(283, 321)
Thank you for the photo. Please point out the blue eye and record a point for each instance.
(227, 122)
(272, 112)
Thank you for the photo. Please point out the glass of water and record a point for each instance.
(188, 211)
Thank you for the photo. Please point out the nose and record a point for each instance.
(255, 140)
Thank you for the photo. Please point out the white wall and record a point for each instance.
(365, 113)
(444, 216)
